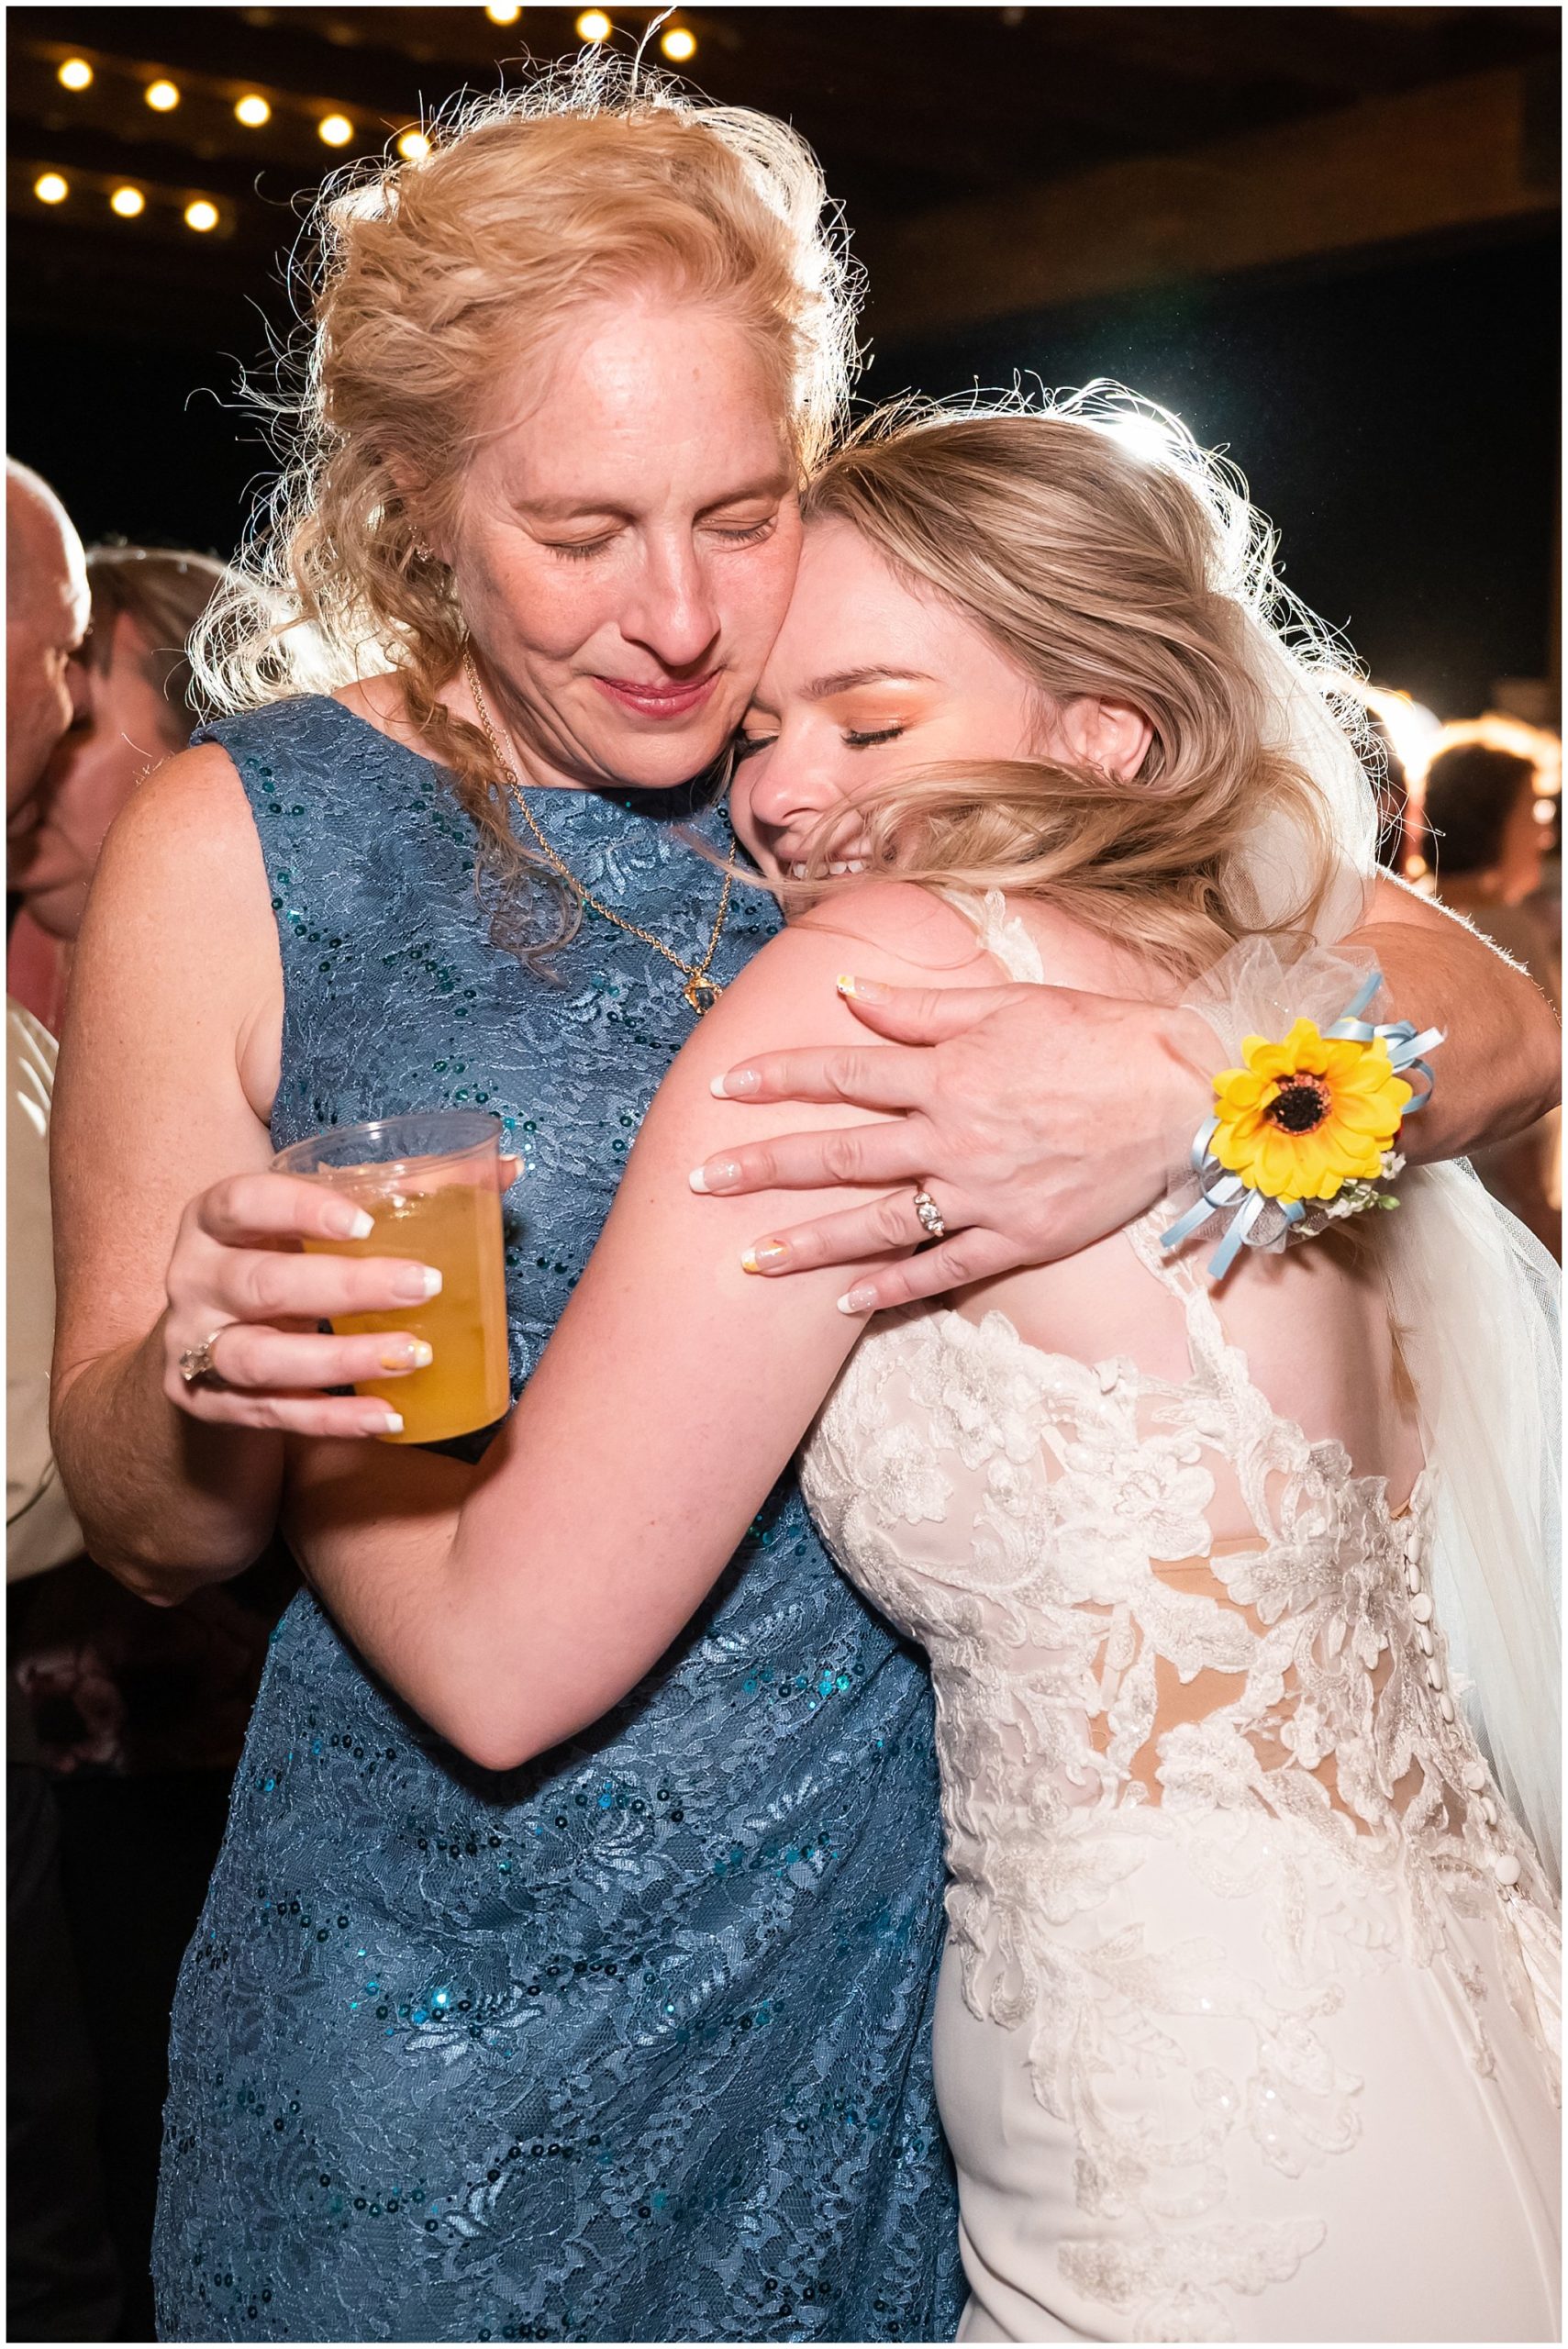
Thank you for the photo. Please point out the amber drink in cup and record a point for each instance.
(432, 1181)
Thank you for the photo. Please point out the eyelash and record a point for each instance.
(747, 745)
(586, 552)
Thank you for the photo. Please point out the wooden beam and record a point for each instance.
(1452, 155)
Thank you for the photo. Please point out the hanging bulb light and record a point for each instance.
(161, 96)
(593, 26)
(413, 146)
(49, 188)
(335, 129)
(252, 110)
(503, 16)
(679, 44)
(201, 215)
(75, 74)
(128, 202)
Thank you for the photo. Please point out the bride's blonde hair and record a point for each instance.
(434, 277)
(1106, 554)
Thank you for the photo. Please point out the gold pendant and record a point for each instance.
(701, 992)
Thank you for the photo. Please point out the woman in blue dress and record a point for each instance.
(627, 2040)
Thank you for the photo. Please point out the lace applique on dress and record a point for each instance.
(1118, 1691)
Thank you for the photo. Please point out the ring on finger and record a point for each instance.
(197, 1367)
(930, 1216)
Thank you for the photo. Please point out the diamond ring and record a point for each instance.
(196, 1366)
(930, 1216)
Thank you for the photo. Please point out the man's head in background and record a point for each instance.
(132, 692)
(46, 617)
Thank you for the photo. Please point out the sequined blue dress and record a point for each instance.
(632, 2043)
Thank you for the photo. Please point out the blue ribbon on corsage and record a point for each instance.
(1225, 1194)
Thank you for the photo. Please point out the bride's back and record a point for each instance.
(1311, 1321)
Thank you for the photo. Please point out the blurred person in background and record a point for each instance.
(1487, 846)
(132, 1719)
(132, 707)
(61, 2283)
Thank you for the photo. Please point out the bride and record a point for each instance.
(1234, 1589)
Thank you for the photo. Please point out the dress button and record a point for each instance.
(1422, 1608)
(1445, 1705)
(1506, 1868)
(1489, 1812)
(1475, 1777)
(1424, 1640)
(1434, 1677)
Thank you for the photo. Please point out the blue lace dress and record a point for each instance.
(632, 2043)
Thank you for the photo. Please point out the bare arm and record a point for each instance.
(166, 1226)
(1042, 1118)
(514, 1604)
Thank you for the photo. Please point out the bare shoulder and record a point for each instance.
(1073, 954)
(179, 933)
(896, 917)
(189, 822)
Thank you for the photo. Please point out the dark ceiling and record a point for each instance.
(910, 108)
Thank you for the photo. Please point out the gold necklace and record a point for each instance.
(701, 991)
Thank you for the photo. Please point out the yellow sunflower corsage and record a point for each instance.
(1302, 1117)
(1305, 1127)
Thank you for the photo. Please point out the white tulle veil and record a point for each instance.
(1474, 1296)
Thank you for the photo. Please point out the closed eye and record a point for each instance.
(858, 742)
(746, 746)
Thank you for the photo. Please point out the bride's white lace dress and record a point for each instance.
(1236, 2036)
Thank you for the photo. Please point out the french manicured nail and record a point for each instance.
(414, 1354)
(346, 1223)
(765, 1257)
(858, 1300)
(390, 1425)
(863, 990)
(735, 1083)
(415, 1283)
(719, 1174)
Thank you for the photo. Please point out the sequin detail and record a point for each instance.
(632, 2044)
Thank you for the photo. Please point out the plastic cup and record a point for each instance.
(432, 1181)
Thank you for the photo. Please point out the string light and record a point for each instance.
(335, 129)
(679, 44)
(413, 146)
(161, 96)
(49, 188)
(128, 202)
(201, 215)
(503, 16)
(593, 25)
(75, 74)
(252, 110)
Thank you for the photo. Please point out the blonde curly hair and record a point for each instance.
(433, 275)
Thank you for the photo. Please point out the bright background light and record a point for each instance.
(1409, 725)
(503, 16)
(1142, 436)
(49, 188)
(336, 129)
(1541, 748)
(252, 110)
(76, 73)
(201, 215)
(128, 202)
(593, 25)
(413, 146)
(161, 96)
(679, 44)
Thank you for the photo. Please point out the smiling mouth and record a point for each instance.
(663, 701)
(849, 864)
